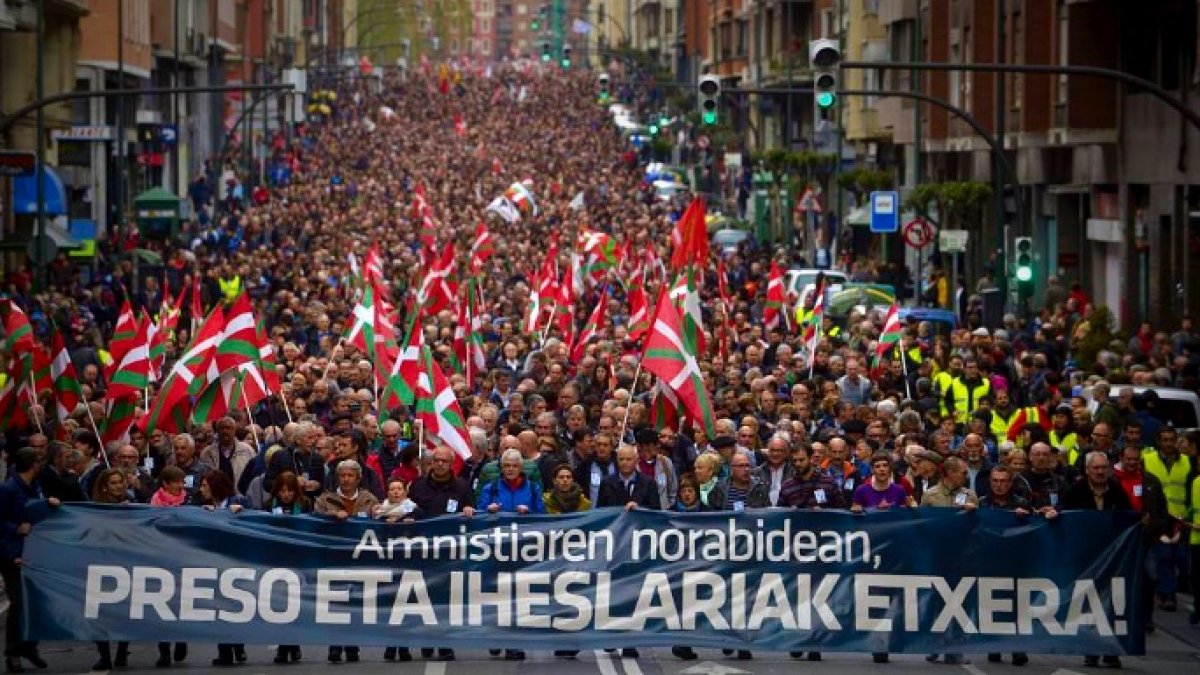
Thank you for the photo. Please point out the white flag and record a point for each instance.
(504, 208)
(578, 202)
(581, 27)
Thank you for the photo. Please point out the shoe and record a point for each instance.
(814, 656)
(684, 653)
(296, 653)
(164, 660)
(102, 665)
(880, 657)
(402, 654)
(352, 655)
(32, 656)
(956, 660)
(222, 662)
(1091, 662)
(514, 655)
(727, 652)
(282, 656)
(796, 655)
(239, 653)
(629, 653)
(1169, 606)
(566, 653)
(445, 655)
(121, 660)
(12, 664)
(1020, 659)
(1112, 661)
(494, 652)
(995, 658)
(744, 655)
(389, 654)
(335, 654)
(426, 653)
(932, 658)
(180, 651)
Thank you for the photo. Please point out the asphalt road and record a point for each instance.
(1173, 649)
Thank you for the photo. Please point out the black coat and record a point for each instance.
(434, 497)
(643, 491)
(1079, 496)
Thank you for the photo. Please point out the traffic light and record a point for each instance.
(1023, 267)
(546, 52)
(566, 56)
(826, 60)
(710, 98)
(664, 121)
(605, 83)
(538, 20)
(653, 129)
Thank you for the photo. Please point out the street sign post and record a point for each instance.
(953, 241)
(885, 213)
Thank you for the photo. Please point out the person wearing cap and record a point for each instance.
(924, 469)
(654, 465)
(951, 492)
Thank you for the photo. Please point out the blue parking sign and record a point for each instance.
(885, 211)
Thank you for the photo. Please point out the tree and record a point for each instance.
(863, 181)
(957, 204)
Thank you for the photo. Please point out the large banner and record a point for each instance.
(916, 581)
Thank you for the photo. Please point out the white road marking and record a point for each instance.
(631, 666)
(435, 668)
(604, 661)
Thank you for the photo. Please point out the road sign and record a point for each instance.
(885, 214)
(169, 134)
(17, 163)
(953, 241)
(918, 233)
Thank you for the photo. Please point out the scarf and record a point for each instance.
(565, 502)
(164, 498)
(706, 489)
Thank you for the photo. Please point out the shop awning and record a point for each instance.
(24, 195)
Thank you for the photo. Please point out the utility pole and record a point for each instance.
(121, 149)
(265, 75)
(39, 232)
(174, 152)
(997, 183)
(915, 78)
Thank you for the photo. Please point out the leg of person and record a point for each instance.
(1020, 658)
(295, 653)
(239, 653)
(1165, 570)
(683, 653)
(12, 623)
(880, 657)
(389, 654)
(445, 654)
(335, 654)
(105, 653)
(180, 652)
(402, 654)
(352, 654)
(122, 658)
(1194, 617)
(164, 655)
(282, 654)
(224, 655)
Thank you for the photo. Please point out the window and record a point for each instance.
(521, 10)
(1016, 52)
(828, 24)
(955, 78)
(600, 15)
(743, 39)
(769, 29)
(871, 6)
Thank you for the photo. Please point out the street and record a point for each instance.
(1174, 648)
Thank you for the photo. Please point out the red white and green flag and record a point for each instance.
(593, 327)
(13, 413)
(773, 311)
(665, 411)
(687, 303)
(373, 266)
(18, 333)
(689, 238)
(639, 313)
(156, 346)
(360, 334)
(131, 366)
(67, 392)
(815, 321)
(406, 368)
(672, 355)
(168, 316)
(124, 338)
(437, 407)
(239, 342)
(437, 289)
(187, 378)
(892, 331)
(482, 248)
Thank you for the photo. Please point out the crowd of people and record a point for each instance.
(960, 419)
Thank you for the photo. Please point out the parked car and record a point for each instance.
(801, 282)
(727, 241)
(1178, 407)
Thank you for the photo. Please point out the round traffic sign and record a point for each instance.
(918, 233)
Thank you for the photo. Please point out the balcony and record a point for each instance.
(895, 11)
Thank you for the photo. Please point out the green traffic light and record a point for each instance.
(566, 63)
(826, 99)
(1024, 274)
(653, 129)
(533, 25)
(710, 118)
(546, 57)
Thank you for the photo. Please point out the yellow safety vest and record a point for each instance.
(106, 358)
(1195, 512)
(1068, 446)
(1174, 481)
(966, 399)
(914, 355)
(231, 288)
(1000, 424)
(941, 384)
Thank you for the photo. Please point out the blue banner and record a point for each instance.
(915, 581)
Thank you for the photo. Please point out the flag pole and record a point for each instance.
(637, 375)
(904, 368)
(250, 415)
(333, 355)
(33, 388)
(96, 428)
(286, 409)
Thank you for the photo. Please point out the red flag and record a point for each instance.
(773, 312)
(18, 331)
(482, 247)
(689, 239)
(723, 286)
(438, 289)
(593, 327)
(671, 355)
(639, 313)
(67, 392)
(460, 125)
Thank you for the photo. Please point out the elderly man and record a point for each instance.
(300, 458)
(1098, 491)
(656, 466)
(140, 484)
(346, 500)
(227, 454)
(853, 387)
(186, 460)
(1039, 483)
(951, 492)
(777, 469)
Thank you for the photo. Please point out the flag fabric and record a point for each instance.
(373, 266)
(360, 334)
(12, 413)
(664, 409)
(671, 354)
(534, 311)
(197, 304)
(423, 214)
(460, 124)
(437, 288)
(239, 342)
(600, 253)
(18, 332)
(723, 287)
(155, 345)
(639, 313)
(131, 371)
(508, 212)
(437, 408)
(168, 316)
(124, 337)
(892, 331)
(521, 196)
(687, 303)
(815, 321)
(482, 248)
(773, 311)
(186, 379)
(406, 368)
(689, 238)
(67, 392)
(593, 327)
